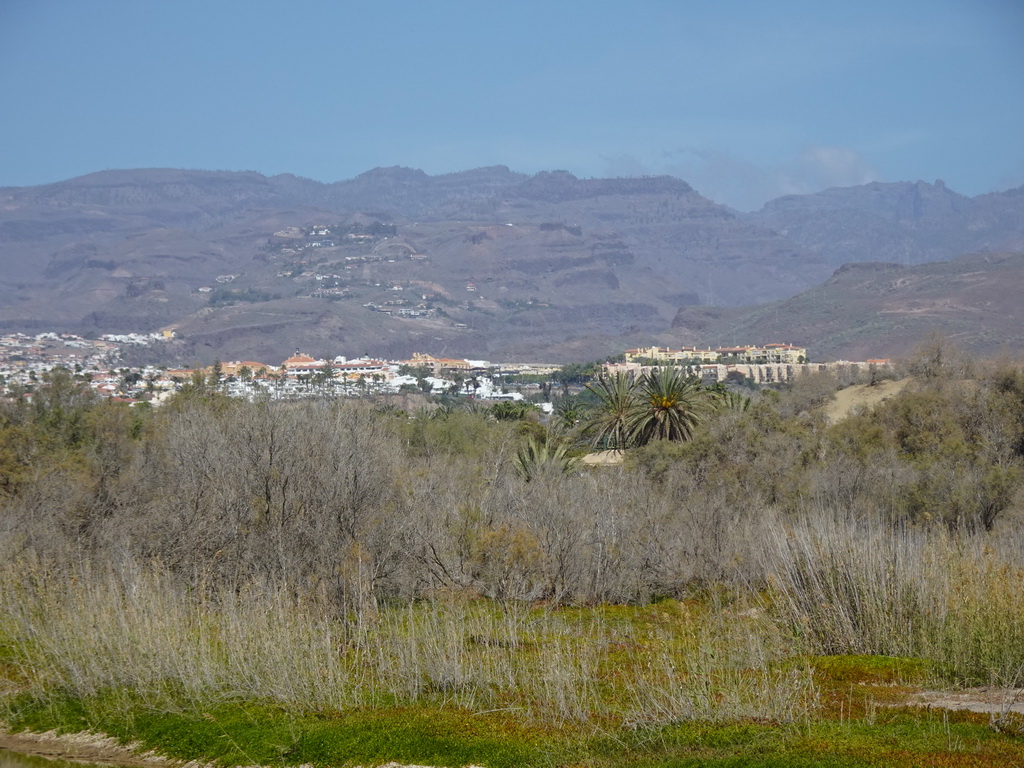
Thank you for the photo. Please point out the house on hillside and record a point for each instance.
(302, 365)
(769, 354)
(437, 364)
(785, 354)
(354, 369)
(668, 355)
(234, 368)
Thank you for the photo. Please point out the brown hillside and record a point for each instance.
(885, 310)
(487, 262)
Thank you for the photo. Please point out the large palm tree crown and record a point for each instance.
(608, 424)
(670, 406)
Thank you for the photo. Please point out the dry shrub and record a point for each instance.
(855, 586)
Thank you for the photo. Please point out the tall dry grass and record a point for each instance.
(140, 633)
(860, 586)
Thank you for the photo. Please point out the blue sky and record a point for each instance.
(744, 100)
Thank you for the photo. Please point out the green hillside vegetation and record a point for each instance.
(344, 582)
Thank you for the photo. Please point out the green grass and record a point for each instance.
(873, 669)
(251, 733)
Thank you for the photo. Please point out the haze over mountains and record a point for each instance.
(497, 264)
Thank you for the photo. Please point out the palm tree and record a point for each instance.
(609, 422)
(734, 401)
(458, 381)
(512, 410)
(544, 456)
(671, 406)
(567, 414)
(443, 411)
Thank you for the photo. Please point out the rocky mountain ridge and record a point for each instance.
(499, 263)
(902, 222)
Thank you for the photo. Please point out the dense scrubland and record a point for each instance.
(247, 581)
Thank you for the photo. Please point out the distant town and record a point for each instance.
(26, 359)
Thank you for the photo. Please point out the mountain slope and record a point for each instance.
(884, 310)
(486, 262)
(494, 257)
(905, 223)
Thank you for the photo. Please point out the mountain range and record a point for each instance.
(493, 263)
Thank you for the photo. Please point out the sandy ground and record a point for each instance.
(994, 701)
(83, 748)
(847, 401)
(603, 458)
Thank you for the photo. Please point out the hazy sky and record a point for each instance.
(744, 100)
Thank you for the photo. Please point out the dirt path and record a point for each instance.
(83, 748)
